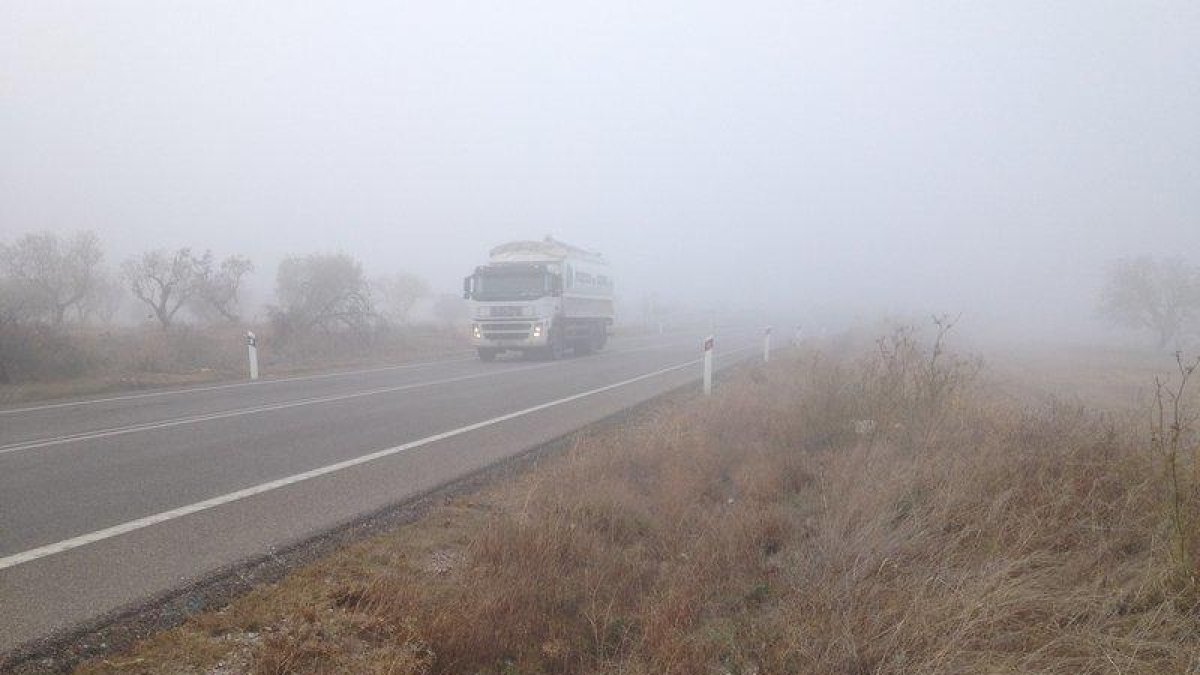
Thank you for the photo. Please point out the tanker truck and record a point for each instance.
(540, 298)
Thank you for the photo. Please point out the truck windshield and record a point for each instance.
(523, 285)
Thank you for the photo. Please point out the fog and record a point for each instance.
(794, 158)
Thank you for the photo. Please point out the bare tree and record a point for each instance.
(218, 290)
(397, 294)
(106, 299)
(18, 304)
(325, 291)
(165, 281)
(56, 274)
(30, 348)
(1162, 296)
(450, 309)
(13, 311)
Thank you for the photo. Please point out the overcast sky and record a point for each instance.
(985, 157)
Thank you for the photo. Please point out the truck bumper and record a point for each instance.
(509, 334)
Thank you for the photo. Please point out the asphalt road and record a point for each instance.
(106, 502)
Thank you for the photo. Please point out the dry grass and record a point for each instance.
(94, 361)
(763, 531)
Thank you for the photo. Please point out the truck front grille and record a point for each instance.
(506, 331)
(509, 311)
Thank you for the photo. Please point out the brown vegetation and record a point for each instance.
(60, 334)
(830, 514)
(40, 361)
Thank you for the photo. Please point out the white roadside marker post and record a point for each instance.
(708, 359)
(767, 345)
(252, 348)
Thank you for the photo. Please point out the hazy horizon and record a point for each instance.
(794, 157)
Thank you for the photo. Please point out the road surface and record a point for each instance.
(108, 501)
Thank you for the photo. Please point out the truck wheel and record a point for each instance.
(585, 346)
(487, 354)
(556, 348)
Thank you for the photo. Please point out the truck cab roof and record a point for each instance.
(547, 250)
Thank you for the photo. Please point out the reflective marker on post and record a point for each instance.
(708, 359)
(767, 345)
(252, 348)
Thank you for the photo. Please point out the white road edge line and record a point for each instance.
(272, 407)
(164, 516)
(230, 385)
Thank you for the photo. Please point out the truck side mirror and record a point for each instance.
(467, 288)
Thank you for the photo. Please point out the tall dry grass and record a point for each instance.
(771, 530)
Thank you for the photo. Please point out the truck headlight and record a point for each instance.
(475, 330)
(537, 330)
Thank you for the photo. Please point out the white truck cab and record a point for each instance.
(540, 297)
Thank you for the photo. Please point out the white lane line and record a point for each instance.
(179, 421)
(255, 410)
(231, 385)
(140, 523)
(234, 385)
